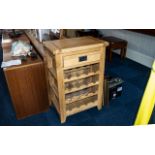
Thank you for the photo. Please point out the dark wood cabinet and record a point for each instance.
(26, 84)
(27, 89)
(150, 32)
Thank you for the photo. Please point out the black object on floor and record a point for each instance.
(121, 111)
(113, 87)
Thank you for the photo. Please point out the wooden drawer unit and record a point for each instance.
(75, 69)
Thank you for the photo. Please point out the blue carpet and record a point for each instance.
(120, 112)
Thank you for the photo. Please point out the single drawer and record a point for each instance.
(78, 59)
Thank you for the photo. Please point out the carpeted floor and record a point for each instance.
(121, 111)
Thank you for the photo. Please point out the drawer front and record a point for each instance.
(78, 59)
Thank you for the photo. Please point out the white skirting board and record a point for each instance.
(138, 57)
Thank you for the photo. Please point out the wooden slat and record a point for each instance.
(55, 102)
(81, 108)
(81, 77)
(53, 73)
(82, 97)
(82, 87)
(54, 88)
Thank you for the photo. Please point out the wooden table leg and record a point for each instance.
(123, 52)
(110, 55)
(124, 55)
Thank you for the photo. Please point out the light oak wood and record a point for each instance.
(81, 77)
(73, 60)
(60, 79)
(81, 87)
(81, 98)
(74, 44)
(54, 99)
(82, 108)
(76, 69)
(101, 79)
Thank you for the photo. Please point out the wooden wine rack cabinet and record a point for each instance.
(75, 74)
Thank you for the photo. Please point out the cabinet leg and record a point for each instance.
(63, 119)
(99, 107)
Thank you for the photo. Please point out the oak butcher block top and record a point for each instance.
(73, 44)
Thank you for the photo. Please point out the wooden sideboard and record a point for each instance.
(26, 82)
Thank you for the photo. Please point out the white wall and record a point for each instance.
(141, 48)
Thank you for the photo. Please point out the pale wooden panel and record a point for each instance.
(74, 60)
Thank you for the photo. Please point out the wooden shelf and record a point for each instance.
(81, 108)
(81, 77)
(82, 87)
(82, 97)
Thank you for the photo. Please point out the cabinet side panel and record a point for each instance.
(27, 88)
(61, 92)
